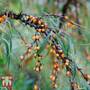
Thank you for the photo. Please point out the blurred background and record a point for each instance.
(12, 45)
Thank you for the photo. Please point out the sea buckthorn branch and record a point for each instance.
(33, 21)
(58, 52)
(85, 76)
(64, 11)
(56, 69)
(65, 19)
(43, 31)
(29, 49)
(34, 47)
(67, 62)
(76, 5)
(69, 72)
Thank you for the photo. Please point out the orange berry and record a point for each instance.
(52, 77)
(39, 30)
(33, 37)
(54, 85)
(27, 17)
(42, 25)
(36, 87)
(67, 62)
(22, 57)
(37, 69)
(88, 76)
(60, 51)
(52, 51)
(40, 22)
(56, 66)
(69, 24)
(33, 19)
(68, 73)
(29, 50)
(62, 55)
(2, 19)
(66, 17)
(30, 17)
(43, 30)
(38, 37)
(36, 48)
(57, 55)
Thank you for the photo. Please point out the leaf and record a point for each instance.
(7, 48)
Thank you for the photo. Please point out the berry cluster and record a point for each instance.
(55, 71)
